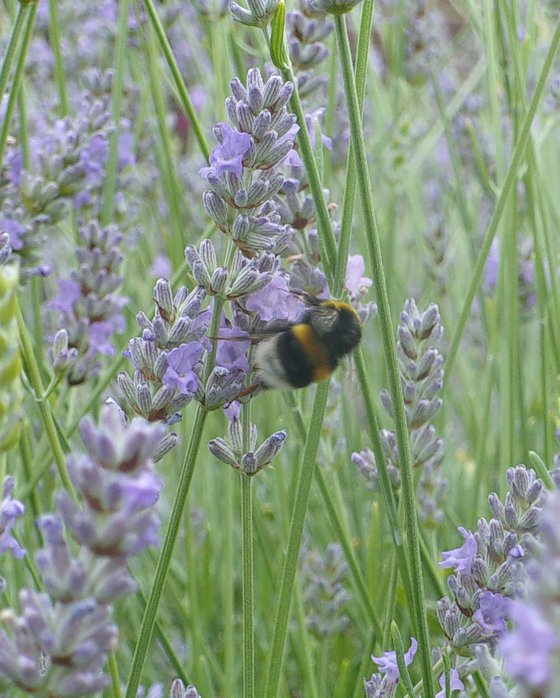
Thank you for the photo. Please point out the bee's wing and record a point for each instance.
(323, 318)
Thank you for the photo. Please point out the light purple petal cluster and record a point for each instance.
(232, 450)
(59, 644)
(89, 310)
(531, 650)
(385, 686)
(325, 596)
(489, 568)
(245, 168)
(10, 509)
(421, 371)
(167, 356)
(65, 155)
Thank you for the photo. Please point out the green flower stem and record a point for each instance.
(307, 469)
(362, 53)
(148, 620)
(418, 608)
(26, 14)
(247, 585)
(510, 179)
(308, 664)
(36, 382)
(327, 242)
(247, 590)
(178, 81)
(183, 486)
(404, 676)
(11, 49)
(110, 181)
(168, 171)
(333, 510)
(114, 674)
(54, 40)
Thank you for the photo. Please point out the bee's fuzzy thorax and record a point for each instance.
(309, 350)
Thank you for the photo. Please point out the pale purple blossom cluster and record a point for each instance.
(59, 643)
(68, 164)
(325, 596)
(88, 307)
(307, 28)
(531, 649)
(421, 370)
(245, 169)
(384, 683)
(10, 509)
(489, 569)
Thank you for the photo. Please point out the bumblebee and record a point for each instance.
(309, 350)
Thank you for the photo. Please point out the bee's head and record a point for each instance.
(338, 325)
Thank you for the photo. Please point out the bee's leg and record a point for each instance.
(251, 390)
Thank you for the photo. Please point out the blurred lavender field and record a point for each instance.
(175, 177)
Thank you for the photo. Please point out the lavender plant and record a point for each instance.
(421, 369)
(490, 568)
(104, 113)
(60, 641)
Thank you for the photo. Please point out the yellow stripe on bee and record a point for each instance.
(341, 305)
(313, 347)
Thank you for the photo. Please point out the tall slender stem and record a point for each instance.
(374, 249)
(307, 469)
(162, 569)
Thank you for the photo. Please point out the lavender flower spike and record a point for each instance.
(532, 649)
(117, 483)
(245, 172)
(178, 690)
(59, 644)
(10, 509)
(385, 686)
(259, 13)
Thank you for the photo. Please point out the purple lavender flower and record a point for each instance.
(324, 594)
(531, 650)
(461, 558)
(90, 311)
(492, 613)
(245, 172)
(232, 452)
(228, 156)
(233, 354)
(275, 302)
(178, 320)
(178, 690)
(455, 683)
(117, 484)
(421, 370)
(180, 364)
(489, 571)
(68, 163)
(388, 662)
(10, 509)
(356, 283)
(59, 645)
(307, 51)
